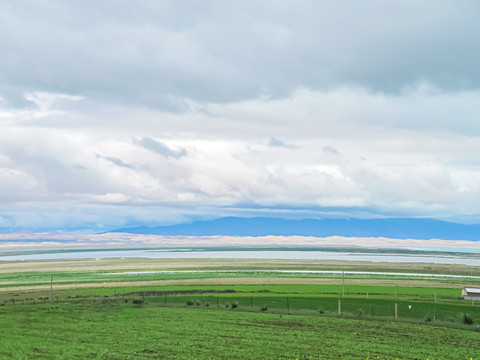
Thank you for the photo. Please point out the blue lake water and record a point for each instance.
(467, 259)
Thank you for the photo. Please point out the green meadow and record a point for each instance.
(53, 311)
(119, 330)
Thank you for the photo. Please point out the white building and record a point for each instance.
(471, 293)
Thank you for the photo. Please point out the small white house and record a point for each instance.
(471, 293)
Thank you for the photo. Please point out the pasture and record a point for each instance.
(94, 309)
(83, 330)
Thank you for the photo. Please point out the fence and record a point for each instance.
(295, 304)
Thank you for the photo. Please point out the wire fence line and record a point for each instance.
(265, 302)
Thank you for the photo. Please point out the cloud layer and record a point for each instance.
(117, 114)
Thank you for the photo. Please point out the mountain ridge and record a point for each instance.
(400, 228)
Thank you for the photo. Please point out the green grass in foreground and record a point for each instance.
(123, 331)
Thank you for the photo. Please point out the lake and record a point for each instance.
(440, 258)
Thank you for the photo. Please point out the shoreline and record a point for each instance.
(28, 242)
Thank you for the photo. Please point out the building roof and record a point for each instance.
(472, 291)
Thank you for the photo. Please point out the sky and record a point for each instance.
(119, 113)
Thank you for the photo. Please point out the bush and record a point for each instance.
(467, 319)
(321, 311)
(190, 303)
(234, 305)
(264, 308)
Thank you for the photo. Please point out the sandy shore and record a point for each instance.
(35, 242)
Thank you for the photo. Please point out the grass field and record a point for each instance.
(75, 310)
(125, 331)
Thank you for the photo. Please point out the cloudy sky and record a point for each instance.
(118, 113)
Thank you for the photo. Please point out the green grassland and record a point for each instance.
(81, 310)
(38, 278)
(119, 330)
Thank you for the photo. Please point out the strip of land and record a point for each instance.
(26, 242)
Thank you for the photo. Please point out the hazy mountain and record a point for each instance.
(401, 228)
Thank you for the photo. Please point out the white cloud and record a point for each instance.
(331, 155)
(116, 108)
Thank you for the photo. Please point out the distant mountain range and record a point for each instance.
(399, 228)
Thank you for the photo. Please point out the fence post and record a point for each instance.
(339, 307)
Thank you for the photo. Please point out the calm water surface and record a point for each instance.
(468, 259)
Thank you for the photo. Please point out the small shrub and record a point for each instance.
(227, 305)
(190, 303)
(126, 300)
(234, 305)
(207, 304)
(264, 308)
(138, 302)
(467, 319)
(428, 318)
(197, 303)
(359, 312)
(321, 311)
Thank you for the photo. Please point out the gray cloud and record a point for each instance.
(116, 161)
(279, 143)
(116, 112)
(159, 54)
(160, 148)
(331, 150)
